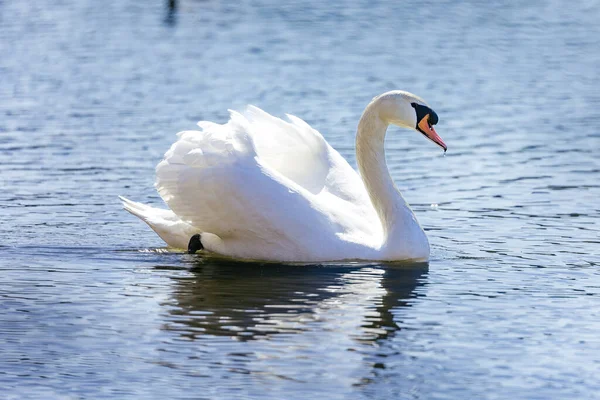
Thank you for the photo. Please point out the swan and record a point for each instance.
(261, 188)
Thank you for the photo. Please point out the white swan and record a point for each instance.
(262, 188)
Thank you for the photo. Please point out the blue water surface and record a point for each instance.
(93, 306)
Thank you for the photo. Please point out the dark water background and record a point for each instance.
(92, 94)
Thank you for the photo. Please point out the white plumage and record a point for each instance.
(262, 188)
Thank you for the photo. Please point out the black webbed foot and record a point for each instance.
(195, 244)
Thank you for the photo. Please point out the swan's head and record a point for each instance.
(409, 111)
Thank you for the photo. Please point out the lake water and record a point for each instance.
(93, 306)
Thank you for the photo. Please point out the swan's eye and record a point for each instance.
(433, 118)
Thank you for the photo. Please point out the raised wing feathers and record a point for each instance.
(276, 184)
(293, 149)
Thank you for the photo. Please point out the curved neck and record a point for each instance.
(391, 208)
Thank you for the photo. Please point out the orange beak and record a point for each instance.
(431, 134)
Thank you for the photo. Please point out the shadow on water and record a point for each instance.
(254, 301)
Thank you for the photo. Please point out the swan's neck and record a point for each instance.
(393, 212)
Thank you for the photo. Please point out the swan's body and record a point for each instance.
(265, 189)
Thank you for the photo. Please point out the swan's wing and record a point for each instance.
(215, 180)
(299, 152)
(265, 184)
(294, 149)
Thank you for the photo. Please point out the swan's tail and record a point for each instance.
(175, 232)
(138, 209)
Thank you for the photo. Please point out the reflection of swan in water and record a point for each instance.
(258, 301)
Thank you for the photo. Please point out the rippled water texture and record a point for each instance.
(92, 306)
